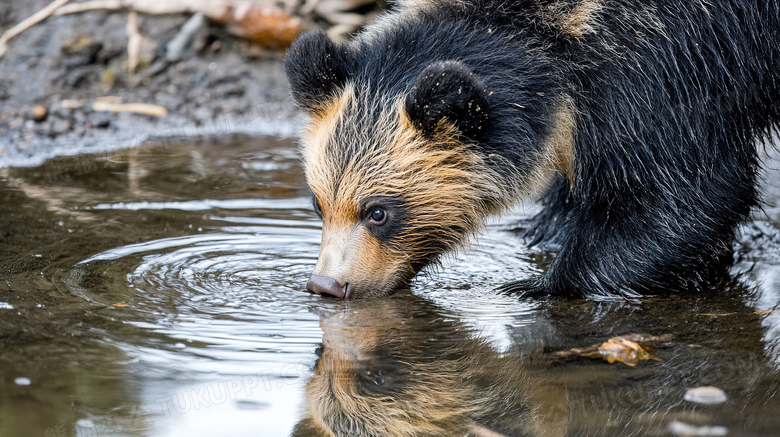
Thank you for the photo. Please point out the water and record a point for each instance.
(160, 292)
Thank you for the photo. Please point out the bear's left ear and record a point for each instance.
(449, 92)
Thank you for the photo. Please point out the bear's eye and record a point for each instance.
(378, 216)
(316, 205)
(384, 217)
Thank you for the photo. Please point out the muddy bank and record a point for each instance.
(223, 85)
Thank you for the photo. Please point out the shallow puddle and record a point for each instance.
(159, 291)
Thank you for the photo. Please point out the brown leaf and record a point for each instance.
(626, 351)
(629, 349)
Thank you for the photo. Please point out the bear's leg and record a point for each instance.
(546, 228)
(654, 236)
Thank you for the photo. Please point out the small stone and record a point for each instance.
(85, 423)
(72, 104)
(684, 429)
(705, 395)
(22, 381)
(39, 113)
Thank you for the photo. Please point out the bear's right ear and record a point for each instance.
(315, 67)
(449, 92)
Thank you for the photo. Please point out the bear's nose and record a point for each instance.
(327, 286)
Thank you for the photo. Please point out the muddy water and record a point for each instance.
(159, 292)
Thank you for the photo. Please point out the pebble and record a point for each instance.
(39, 113)
(22, 381)
(705, 395)
(685, 429)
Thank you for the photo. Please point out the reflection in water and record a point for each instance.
(401, 366)
(404, 366)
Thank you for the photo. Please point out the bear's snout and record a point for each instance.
(327, 286)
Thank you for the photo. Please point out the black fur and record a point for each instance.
(325, 70)
(670, 99)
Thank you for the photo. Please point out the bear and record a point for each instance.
(638, 121)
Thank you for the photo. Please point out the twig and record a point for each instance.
(133, 42)
(175, 48)
(268, 23)
(214, 9)
(28, 23)
(102, 5)
(138, 108)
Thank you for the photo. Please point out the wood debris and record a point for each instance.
(273, 25)
(265, 22)
(28, 23)
(137, 108)
(133, 42)
(72, 104)
(764, 312)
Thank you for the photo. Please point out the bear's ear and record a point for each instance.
(449, 92)
(315, 67)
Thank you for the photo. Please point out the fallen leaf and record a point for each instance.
(628, 349)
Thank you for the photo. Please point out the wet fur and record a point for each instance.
(648, 111)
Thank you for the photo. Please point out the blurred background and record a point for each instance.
(68, 66)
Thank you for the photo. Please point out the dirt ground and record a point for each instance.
(84, 56)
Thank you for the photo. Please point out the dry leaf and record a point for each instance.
(628, 349)
(625, 351)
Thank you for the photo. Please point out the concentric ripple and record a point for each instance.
(234, 291)
(252, 270)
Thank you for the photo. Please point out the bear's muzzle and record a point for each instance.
(327, 286)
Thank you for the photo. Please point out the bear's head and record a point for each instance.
(396, 175)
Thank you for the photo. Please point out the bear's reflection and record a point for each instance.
(399, 366)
